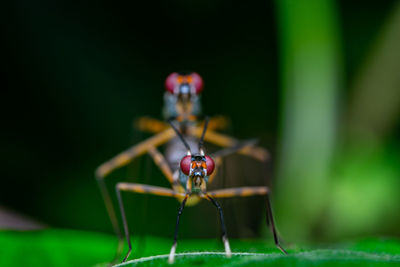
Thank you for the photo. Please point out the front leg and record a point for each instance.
(224, 235)
(140, 189)
(171, 257)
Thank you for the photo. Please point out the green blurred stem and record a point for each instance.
(366, 178)
(375, 102)
(309, 65)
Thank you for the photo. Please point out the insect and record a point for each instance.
(185, 164)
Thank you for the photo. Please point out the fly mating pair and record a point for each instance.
(188, 173)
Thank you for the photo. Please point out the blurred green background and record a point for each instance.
(317, 82)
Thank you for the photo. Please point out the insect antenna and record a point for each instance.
(201, 141)
(179, 134)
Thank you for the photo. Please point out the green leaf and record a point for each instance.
(55, 247)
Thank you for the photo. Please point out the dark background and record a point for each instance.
(78, 74)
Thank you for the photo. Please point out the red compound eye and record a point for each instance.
(210, 165)
(171, 81)
(185, 164)
(197, 82)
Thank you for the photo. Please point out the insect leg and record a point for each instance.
(171, 257)
(218, 155)
(272, 225)
(222, 222)
(218, 123)
(258, 153)
(128, 155)
(141, 189)
(150, 125)
(162, 163)
(247, 192)
(119, 161)
(113, 217)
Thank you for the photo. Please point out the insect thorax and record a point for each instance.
(172, 108)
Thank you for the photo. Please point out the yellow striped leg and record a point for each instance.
(162, 163)
(258, 153)
(119, 161)
(248, 192)
(218, 123)
(128, 155)
(151, 125)
(140, 189)
(146, 124)
(239, 192)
